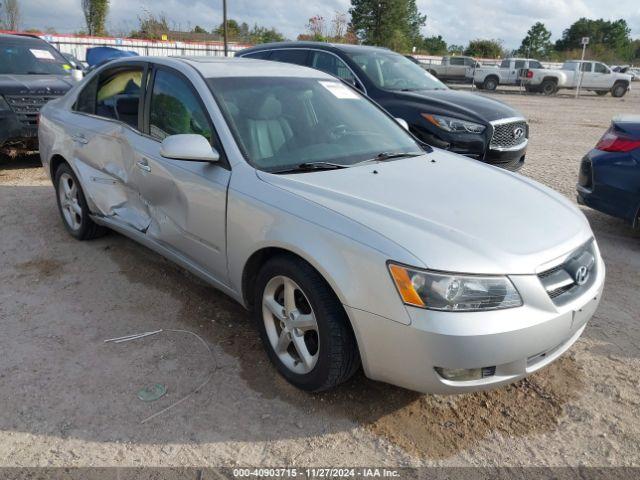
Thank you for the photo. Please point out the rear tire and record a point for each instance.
(619, 90)
(321, 352)
(549, 87)
(490, 84)
(72, 205)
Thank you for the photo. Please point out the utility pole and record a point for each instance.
(584, 42)
(224, 27)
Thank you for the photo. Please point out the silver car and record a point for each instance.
(352, 243)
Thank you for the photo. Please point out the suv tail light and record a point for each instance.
(612, 141)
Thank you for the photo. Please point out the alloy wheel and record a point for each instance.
(68, 195)
(291, 324)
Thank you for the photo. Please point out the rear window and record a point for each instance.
(296, 56)
(264, 55)
(31, 58)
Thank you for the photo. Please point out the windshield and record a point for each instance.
(391, 71)
(284, 122)
(31, 59)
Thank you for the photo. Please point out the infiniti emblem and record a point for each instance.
(518, 133)
(582, 275)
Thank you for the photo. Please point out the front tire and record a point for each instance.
(303, 326)
(72, 205)
(619, 90)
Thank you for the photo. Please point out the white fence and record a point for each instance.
(489, 62)
(78, 45)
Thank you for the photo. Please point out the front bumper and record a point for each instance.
(16, 131)
(516, 341)
(476, 146)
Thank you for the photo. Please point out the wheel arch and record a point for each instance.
(55, 162)
(261, 256)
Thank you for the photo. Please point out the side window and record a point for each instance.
(534, 64)
(505, 64)
(86, 101)
(600, 68)
(176, 108)
(469, 62)
(331, 64)
(118, 95)
(519, 64)
(297, 56)
(263, 55)
(456, 61)
(585, 67)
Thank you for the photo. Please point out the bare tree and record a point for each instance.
(339, 25)
(11, 14)
(95, 15)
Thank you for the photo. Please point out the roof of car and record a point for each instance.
(27, 39)
(219, 67)
(347, 47)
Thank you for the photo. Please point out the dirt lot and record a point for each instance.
(69, 399)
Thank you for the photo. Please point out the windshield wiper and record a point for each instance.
(383, 156)
(312, 166)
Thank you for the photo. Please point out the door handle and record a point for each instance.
(80, 139)
(143, 165)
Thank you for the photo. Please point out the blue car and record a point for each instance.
(609, 179)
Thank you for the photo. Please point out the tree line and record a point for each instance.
(394, 24)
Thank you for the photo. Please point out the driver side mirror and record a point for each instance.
(189, 147)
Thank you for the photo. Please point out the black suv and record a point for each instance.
(465, 123)
(32, 72)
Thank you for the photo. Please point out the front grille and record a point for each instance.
(562, 281)
(585, 177)
(27, 107)
(510, 135)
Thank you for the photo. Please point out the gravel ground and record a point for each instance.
(69, 399)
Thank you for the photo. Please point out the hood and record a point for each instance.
(35, 84)
(472, 105)
(454, 214)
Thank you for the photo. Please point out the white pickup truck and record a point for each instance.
(488, 78)
(592, 76)
(452, 68)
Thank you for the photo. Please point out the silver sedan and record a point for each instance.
(352, 243)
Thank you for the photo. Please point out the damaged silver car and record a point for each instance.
(352, 243)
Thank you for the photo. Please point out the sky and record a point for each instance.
(458, 21)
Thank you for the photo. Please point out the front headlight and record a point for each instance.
(453, 292)
(453, 125)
